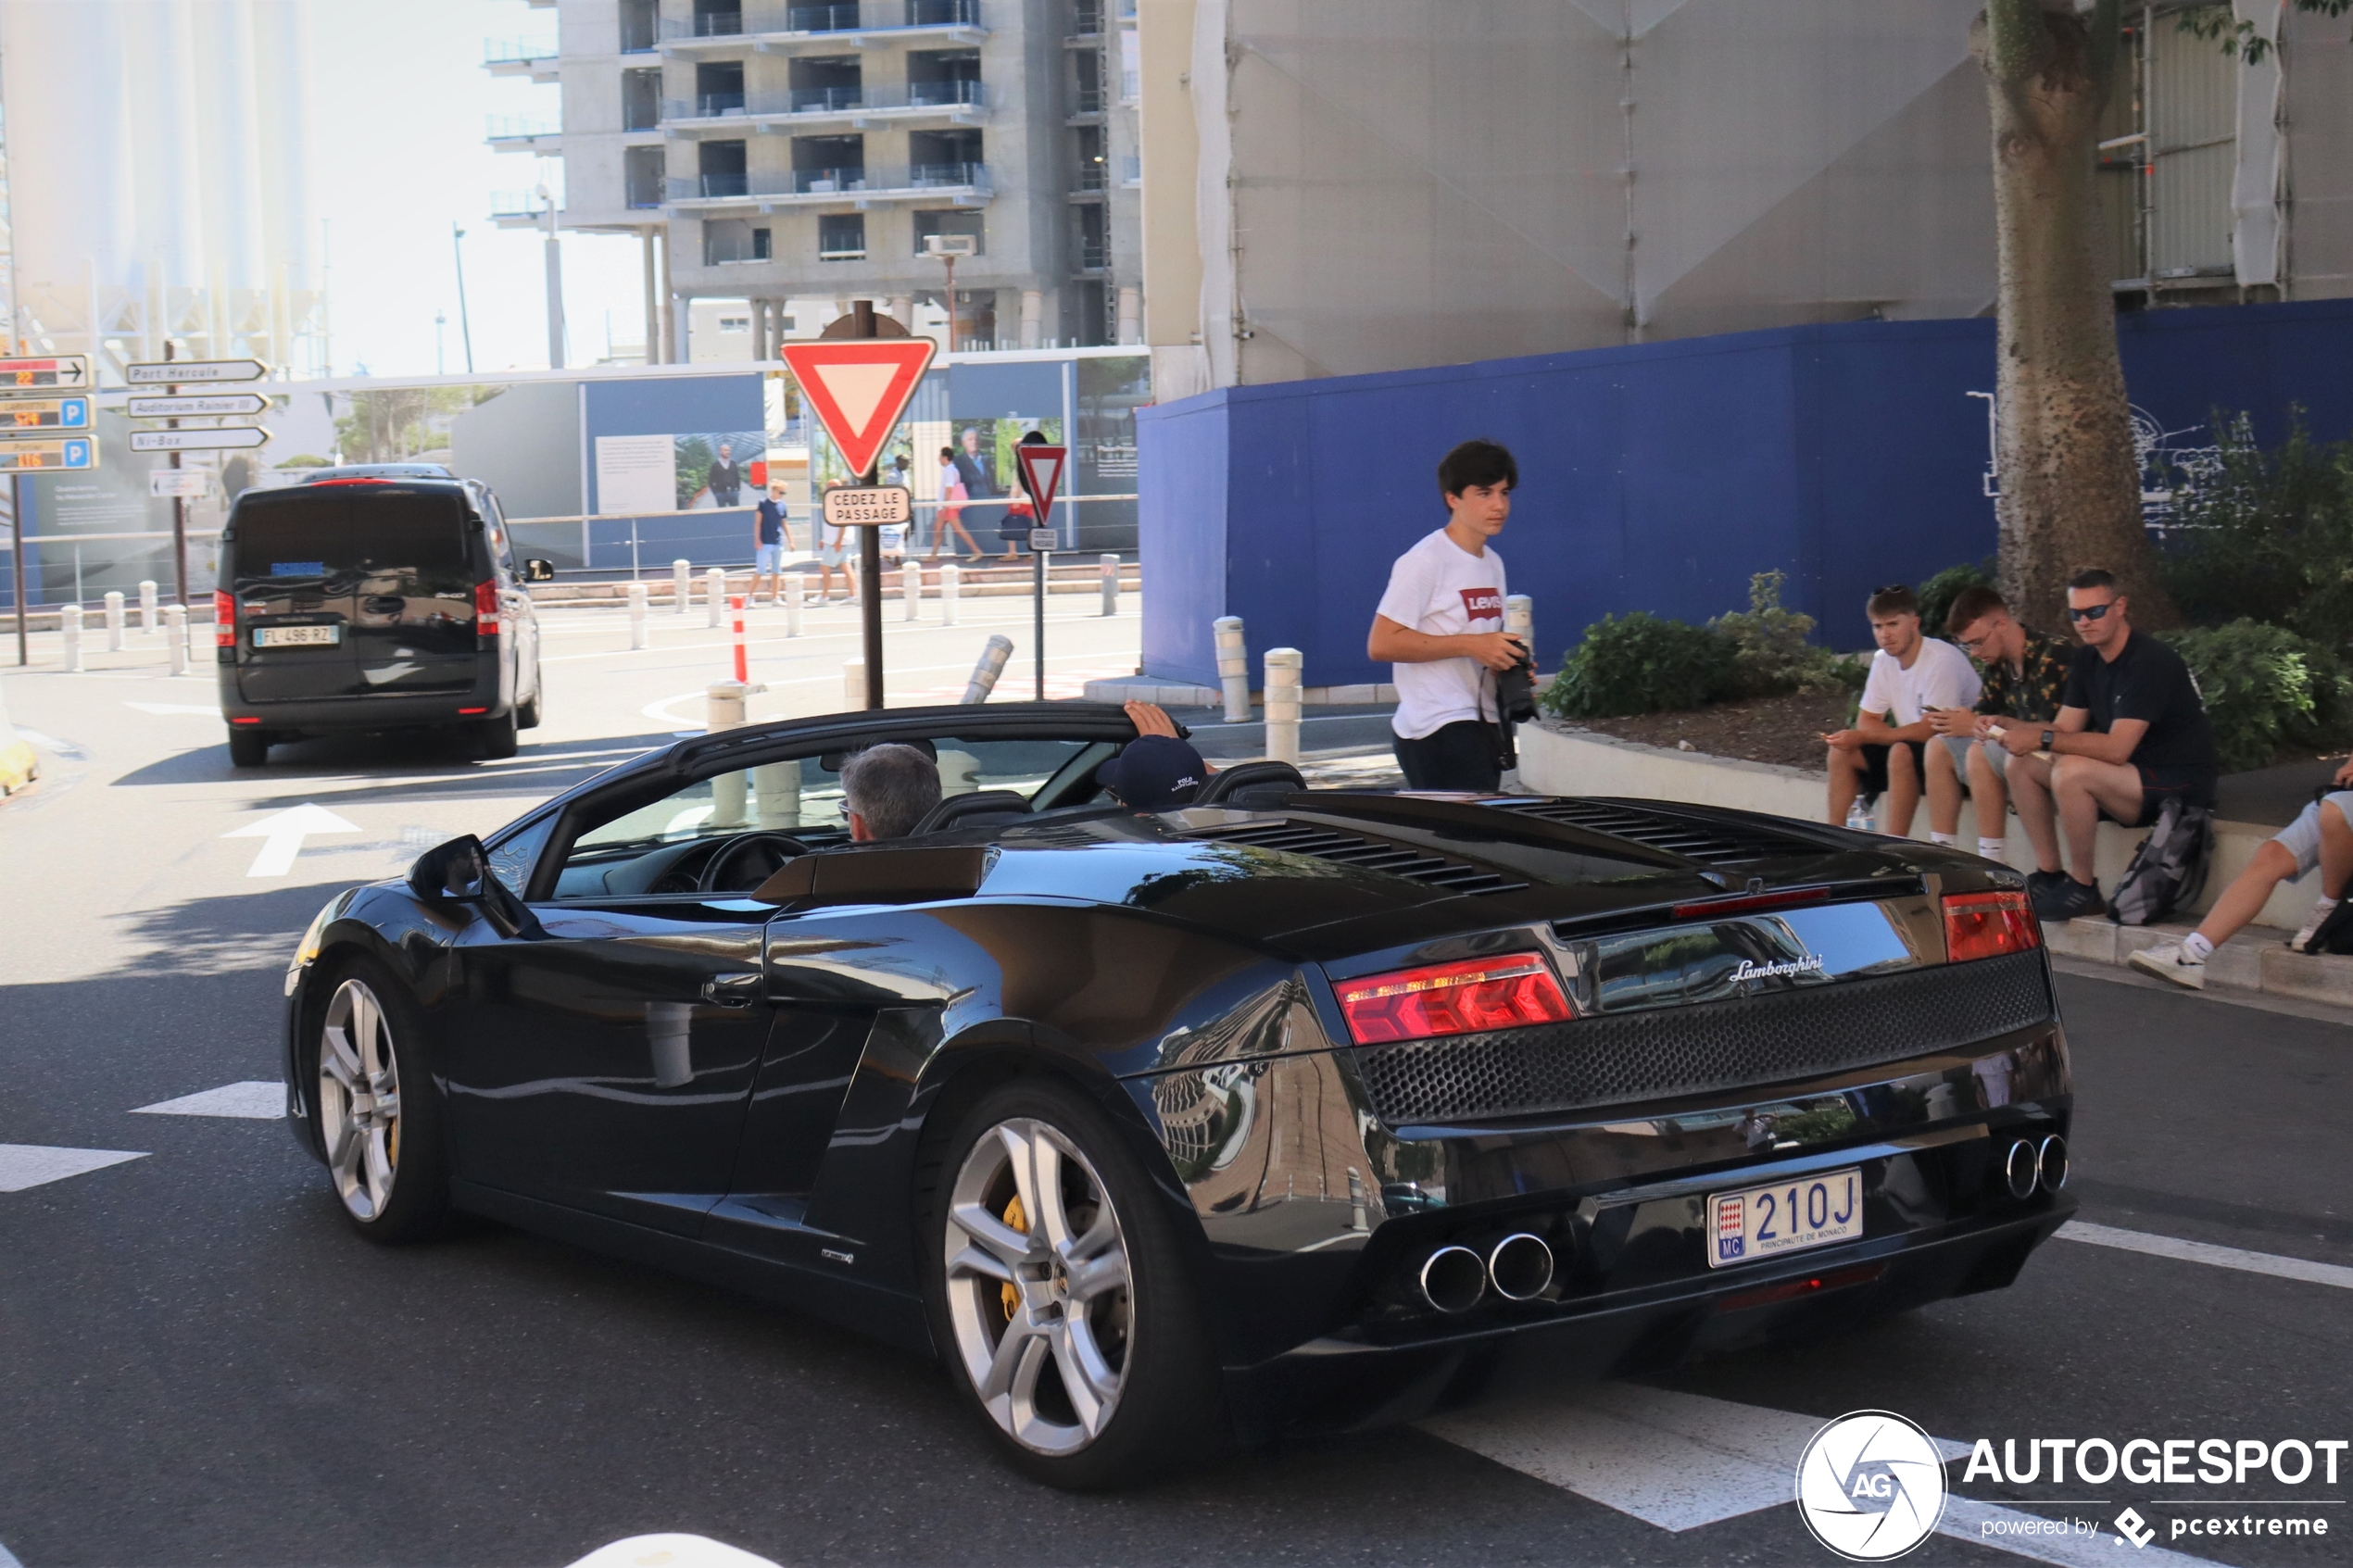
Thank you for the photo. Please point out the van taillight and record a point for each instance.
(224, 621)
(486, 610)
(1452, 999)
(1986, 926)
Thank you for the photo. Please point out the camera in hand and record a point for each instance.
(1516, 691)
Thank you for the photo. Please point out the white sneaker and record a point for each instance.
(2302, 940)
(2170, 963)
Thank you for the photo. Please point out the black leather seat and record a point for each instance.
(971, 811)
(1250, 785)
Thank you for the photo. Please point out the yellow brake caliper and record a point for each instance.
(1018, 1218)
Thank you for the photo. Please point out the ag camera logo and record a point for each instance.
(1871, 1486)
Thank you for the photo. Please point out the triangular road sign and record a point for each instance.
(1041, 475)
(859, 387)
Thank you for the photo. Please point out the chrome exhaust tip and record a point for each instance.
(1452, 1279)
(2050, 1162)
(2022, 1169)
(1520, 1266)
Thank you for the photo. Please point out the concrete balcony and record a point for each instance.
(509, 134)
(960, 184)
(787, 29)
(857, 108)
(529, 57)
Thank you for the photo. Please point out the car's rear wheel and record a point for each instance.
(1058, 1289)
(527, 714)
(379, 1124)
(494, 738)
(248, 748)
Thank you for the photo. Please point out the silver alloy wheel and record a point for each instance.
(359, 1099)
(1039, 1286)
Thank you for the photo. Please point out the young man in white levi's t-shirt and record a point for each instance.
(1440, 626)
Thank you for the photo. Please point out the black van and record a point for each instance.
(373, 602)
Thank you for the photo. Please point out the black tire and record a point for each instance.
(412, 1202)
(248, 748)
(1167, 1413)
(494, 738)
(527, 714)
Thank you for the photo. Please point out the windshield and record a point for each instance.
(359, 532)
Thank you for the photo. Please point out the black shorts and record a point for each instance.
(1875, 766)
(2160, 785)
(1457, 756)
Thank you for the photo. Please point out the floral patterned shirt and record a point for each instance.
(2032, 691)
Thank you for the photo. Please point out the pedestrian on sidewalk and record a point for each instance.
(2132, 732)
(839, 550)
(2025, 673)
(952, 508)
(1911, 675)
(2322, 835)
(771, 535)
(1441, 627)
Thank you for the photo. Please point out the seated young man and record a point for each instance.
(2131, 732)
(1910, 674)
(2322, 835)
(2025, 674)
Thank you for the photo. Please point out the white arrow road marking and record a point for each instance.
(253, 1099)
(282, 836)
(26, 1165)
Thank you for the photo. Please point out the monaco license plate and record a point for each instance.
(1786, 1217)
(296, 637)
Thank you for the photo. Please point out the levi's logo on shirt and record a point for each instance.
(1482, 604)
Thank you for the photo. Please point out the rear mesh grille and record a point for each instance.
(1709, 843)
(1370, 854)
(1665, 1052)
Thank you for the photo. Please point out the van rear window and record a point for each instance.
(290, 535)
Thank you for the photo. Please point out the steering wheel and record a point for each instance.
(762, 854)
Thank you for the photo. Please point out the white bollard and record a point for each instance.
(175, 633)
(911, 588)
(147, 621)
(724, 709)
(1233, 668)
(70, 623)
(991, 665)
(853, 687)
(1110, 585)
(950, 577)
(681, 578)
(114, 620)
(796, 587)
(636, 615)
(1282, 705)
(776, 789)
(714, 592)
(1519, 620)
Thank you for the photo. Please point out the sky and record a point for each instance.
(397, 110)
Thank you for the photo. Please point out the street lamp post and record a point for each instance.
(465, 326)
(555, 287)
(948, 248)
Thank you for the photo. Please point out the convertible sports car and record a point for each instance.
(1287, 1109)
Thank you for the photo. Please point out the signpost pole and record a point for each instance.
(15, 527)
(179, 509)
(870, 547)
(1037, 628)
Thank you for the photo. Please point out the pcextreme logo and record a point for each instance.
(1871, 1486)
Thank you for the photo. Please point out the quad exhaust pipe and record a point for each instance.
(2029, 1166)
(1454, 1279)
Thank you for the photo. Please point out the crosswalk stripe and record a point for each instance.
(254, 1098)
(2236, 1257)
(26, 1165)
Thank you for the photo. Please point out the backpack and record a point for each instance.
(2334, 933)
(2168, 869)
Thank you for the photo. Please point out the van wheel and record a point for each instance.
(494, 738)
(248, 748)
(527, 714)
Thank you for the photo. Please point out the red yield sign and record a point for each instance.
(1041, 475)
(859, 387)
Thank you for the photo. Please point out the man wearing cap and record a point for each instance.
(1156, 771)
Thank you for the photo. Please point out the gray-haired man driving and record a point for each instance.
(887, 789)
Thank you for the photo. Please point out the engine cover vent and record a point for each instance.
(1708, 842)
(1366, 854)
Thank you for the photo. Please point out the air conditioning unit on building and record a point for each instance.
(951, 244)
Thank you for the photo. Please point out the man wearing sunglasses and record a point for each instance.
(2132, 732)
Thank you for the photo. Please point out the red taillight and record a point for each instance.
(1452, 999)
(1986, 926)
(1751, 903)
(485, 610)
(224, 621)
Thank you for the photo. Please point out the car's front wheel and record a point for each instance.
(1058, 1289)
(378, 1124)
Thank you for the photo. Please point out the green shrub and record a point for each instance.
(2266, 535)
(1770, 654)
(1640, 665)
(1939, 591)
(2267, 691)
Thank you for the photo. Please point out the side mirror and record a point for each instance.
(537, 570)
(458, 873)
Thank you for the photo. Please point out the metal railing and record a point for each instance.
(1086, 100)
(1085, 18)
(518, 128)
(1090, 177)
(515, 204)
(840, 16)
(830, 181)
(1094, 256)
(817, 101)
(515, 51)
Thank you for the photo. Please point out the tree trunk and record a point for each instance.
(2070, 484)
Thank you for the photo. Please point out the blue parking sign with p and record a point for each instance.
(76, 455)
